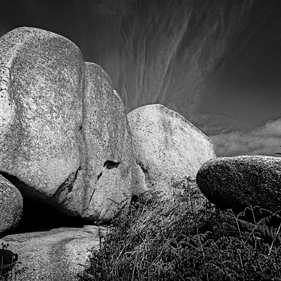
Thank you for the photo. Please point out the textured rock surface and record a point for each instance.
(11, 206)
(237, 182)
(139, 184)
(53, 255)
(108, 149)
(167, 148)
(64, 134)
(41, 80)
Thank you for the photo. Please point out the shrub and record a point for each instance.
(166, 239)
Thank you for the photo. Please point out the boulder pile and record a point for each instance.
(64, 135)
(66, 143)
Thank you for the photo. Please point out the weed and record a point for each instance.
(7, 262)
(169, 239)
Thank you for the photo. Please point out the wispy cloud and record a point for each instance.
(169, 49)
(264, 140)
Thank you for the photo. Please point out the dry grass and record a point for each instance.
(169, 240)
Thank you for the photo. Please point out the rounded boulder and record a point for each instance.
(168, 149)
(243, 181)
(11, 206)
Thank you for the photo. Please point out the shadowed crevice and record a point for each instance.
(67, 184)
(99, 176)
(111, 164)
(39, 214)
(145, 172)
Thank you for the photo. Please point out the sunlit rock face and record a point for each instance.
(108, 151)
(242, 181)
(57, 254)
(41, 88)
(167, 148)
(11, 206)
(64, 137)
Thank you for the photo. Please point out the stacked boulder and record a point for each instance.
(65, 138)
(67, 143)
(64, 135)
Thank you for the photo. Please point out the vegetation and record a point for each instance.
(8, 260)
(186, 238)
(163, 239)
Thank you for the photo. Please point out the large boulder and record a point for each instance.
(167, 149)
(41, 83)
(108, 156)
(11, 206)
(242, 181)
(64, 136)
(58, 254)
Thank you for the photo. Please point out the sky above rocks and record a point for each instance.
(218, 64)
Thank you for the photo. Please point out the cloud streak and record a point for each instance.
(169, 49)
(263, 140)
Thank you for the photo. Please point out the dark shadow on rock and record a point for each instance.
(38, 216)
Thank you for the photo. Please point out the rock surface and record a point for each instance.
(58, 254)
(11, 206)
(108, 149)
(41, 82)
(167, 148)
(64, 134)
(238, 182)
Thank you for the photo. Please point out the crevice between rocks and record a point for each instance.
(39, 215)
(145, 172)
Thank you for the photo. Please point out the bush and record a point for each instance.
(166, 239)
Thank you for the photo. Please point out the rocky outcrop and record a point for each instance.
(108, 148)
(42, 76)
(11, 206)
(167, 149)
(41, 82)
(239, 182)
(64, 136)
(58, 254)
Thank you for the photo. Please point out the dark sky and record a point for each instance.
(218, 63)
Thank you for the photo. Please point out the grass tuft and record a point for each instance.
(169, 239)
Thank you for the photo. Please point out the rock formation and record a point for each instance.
(64, 136)
(11, 206)
(66, 145)
(239, 182)
(41, 111)
(58, 254)
(167, 149)
(108, 148)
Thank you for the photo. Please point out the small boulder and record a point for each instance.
(243, 181)
(11, 206)
(167, 149)
(57, 254)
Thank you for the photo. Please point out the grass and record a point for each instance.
(8, 264)
(164, 239)
(185, 238)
